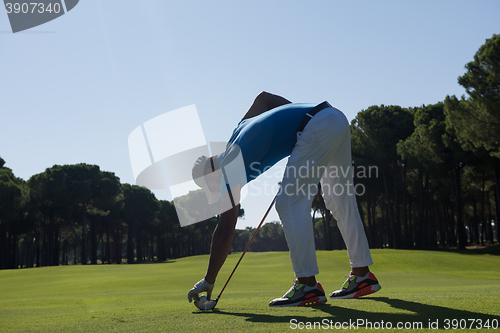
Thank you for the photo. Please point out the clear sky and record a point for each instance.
(73, 89)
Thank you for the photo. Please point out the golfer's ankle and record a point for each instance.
(308, 281)
(360, 271)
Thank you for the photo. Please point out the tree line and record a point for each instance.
(81, 214)
(438, 166)
(435, 182)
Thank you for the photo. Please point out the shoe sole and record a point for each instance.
(309, 302)
(360, 293)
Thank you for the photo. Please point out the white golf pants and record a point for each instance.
(322, 154)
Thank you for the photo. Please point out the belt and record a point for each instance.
(312, 113)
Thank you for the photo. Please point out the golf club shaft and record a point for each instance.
(251, 239)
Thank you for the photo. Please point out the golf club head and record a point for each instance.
(208, 305)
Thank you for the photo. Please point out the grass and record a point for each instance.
(417, 287)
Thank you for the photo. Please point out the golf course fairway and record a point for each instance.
(421, 291)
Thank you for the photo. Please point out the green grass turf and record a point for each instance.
(417, 287)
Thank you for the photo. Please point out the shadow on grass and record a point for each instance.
(168, 261)
(421, 316)
(490, 249)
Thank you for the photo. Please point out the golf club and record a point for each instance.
(210, 304)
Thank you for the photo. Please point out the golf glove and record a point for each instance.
(199, 287)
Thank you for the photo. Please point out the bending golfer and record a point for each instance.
(317, 138)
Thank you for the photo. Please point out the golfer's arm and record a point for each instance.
(221, 242)
(222, 238)
(264, 102)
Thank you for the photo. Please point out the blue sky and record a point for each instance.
(73, 89)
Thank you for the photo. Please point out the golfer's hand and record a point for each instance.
(201, 286)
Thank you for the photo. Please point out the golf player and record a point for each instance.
(317, 139)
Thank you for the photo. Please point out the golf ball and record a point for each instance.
(203, 299)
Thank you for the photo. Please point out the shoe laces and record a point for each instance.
(292, 288)
(347, 282)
